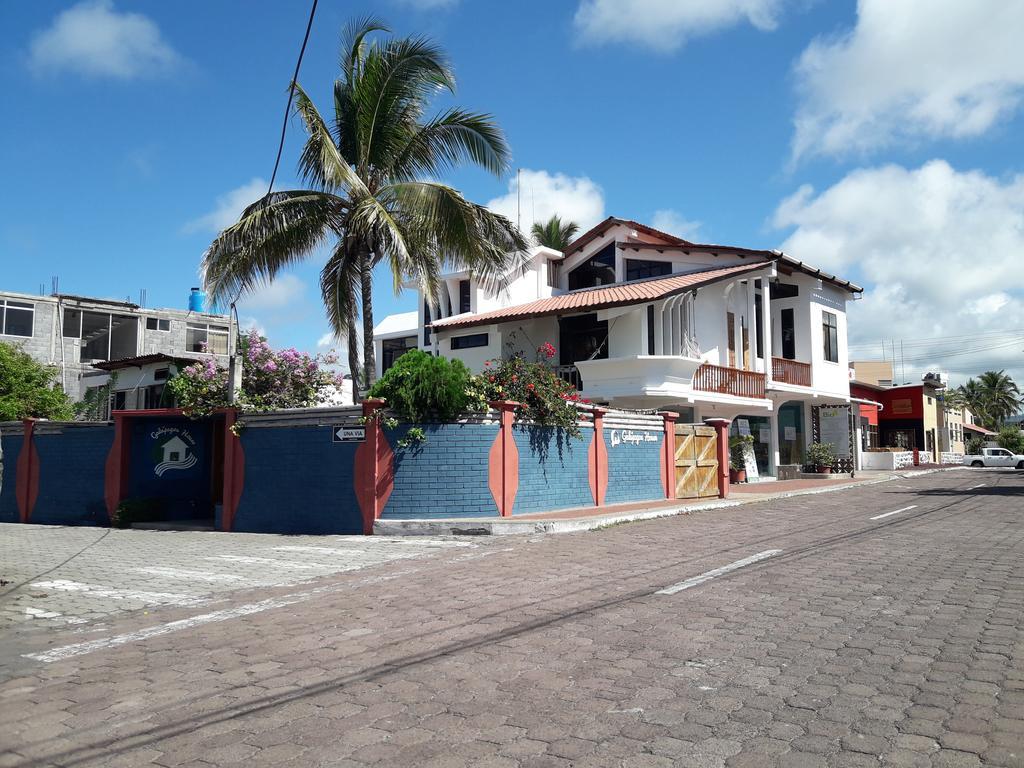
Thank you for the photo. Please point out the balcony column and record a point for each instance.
(751, 325)
(766, 326)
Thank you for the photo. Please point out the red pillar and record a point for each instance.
(234, 471)
(598, 459)
(374, 467)
(115, 475)
(668, 461)
(26, 473)
(722, 429)
(503, 460)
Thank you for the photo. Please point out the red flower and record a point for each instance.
(586, 401)
(530, 386)
(515, 378)
(487, 362)
(491, 378)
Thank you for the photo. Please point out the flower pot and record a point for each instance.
(737, 475)
(824, 470)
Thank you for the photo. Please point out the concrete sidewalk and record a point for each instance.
(590, 518)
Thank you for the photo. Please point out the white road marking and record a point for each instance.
(93, 590)
(709, 575)
(979, 485)
(186, 575)
(39, 613)
(275, 563)
(894, 512)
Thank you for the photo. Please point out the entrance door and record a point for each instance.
(791, 433)
(696, 462)
(787, 327)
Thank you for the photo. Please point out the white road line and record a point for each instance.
(708, 576)
(894, 512)
(110, 593)
(979, 485)
(186, 575)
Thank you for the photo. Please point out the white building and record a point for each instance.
(643, 319)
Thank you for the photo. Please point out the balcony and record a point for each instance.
(791, 372)
(729, 381)
(571, 375)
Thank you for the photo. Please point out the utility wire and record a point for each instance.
(291, 96)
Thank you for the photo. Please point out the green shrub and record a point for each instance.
(821, 455)
(738, 451)
(1011, 438)
(420, 386)
(974, 446)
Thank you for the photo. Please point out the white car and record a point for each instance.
(995, 457)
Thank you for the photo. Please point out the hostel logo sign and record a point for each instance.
(175, 448)
(629, 437)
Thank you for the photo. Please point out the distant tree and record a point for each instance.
(993, 397)
(29, 389)
(370, 194)
(554, 234)
(1011, 438)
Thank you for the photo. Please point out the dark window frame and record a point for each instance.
(6, 305)
(584, 274)
(470, 341)
(465, 297)
(158, 324)
(830, 336)
(650, 329)
(641, 269)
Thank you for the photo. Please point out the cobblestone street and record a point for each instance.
(879, 625)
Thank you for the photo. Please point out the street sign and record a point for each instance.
(348, 434)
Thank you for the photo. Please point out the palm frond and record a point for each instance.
(321, 164)
(353, 43)
(277, 230)
(447, 141)
(339, 287)
(554, 234)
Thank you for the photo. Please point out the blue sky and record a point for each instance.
(881, 141)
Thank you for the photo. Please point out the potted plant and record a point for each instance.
(737, 457)
(822, 457)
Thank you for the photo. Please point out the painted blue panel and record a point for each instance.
(553, 472)
(71, 476)
(297, 481)
(170, 459)
(445, 476)
(634, 465)
(11, 445)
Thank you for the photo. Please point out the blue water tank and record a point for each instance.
(196, 300)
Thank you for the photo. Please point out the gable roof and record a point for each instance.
(599, 229)
(602, 297)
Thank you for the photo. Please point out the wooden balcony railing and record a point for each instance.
(791, 372)
(729, 381)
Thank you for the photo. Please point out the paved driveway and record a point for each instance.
(876, 626)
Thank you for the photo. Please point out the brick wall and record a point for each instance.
(297, 481)
(553, 471)
(634, 468)
(72, 459)
(10, 442)
(445, 476)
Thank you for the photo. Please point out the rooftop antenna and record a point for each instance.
(142, 297)
(903, 363)
(55, 284)
(42, 289)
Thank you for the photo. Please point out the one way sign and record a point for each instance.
(348, 434)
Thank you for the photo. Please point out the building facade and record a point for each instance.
(643, 319)
(75, 333)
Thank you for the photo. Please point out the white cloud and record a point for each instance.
(673, 222)
(284, 293)
(545, 195)
(228, 207)
(910, 69)
(328, 341)
(940, 251)
(94, 40)
(665, 25)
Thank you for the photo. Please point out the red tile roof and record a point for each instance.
(603, 297)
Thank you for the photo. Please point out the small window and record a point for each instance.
(638, 269)
(464, 297)
(161, 374)
(16, 318)
(830, 336)
(650, 329)
(426, 324)
(157, 324)
(469, 342)
(72, 324)
(206, 338)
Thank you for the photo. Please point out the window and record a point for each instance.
(157, 324)
(599, 269)
(72, 324)
(118, 400)
(469, 342)
(787, 329)
(464, 297)
(153, 396)
(638, 269)
(392, 349)
(206, 338)
(758, 327)
(161, 374)
(426, 324)
(16, 318)
(650, 329)
(830, 335)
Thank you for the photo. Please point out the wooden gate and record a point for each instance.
(696, 461)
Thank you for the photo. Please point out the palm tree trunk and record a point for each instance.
(353, 356)
(369, 355)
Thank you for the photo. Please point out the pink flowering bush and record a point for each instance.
(270, 380)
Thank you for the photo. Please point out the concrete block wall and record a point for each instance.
(553, 469)
(296, 480)
(444, 476)
(72, 459)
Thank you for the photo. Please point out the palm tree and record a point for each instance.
(1000, 395)
(554, 234)
(368, 196)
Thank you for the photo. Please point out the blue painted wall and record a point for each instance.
(297, 481)
(634, 469)
(71, 476)
(553, 472)
(11, 445)
(445, 476)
